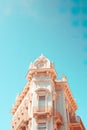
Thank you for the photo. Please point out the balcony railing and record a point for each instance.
(76, 121)
(42, 111)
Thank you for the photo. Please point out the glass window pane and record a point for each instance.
(41, 103)
(42, 126)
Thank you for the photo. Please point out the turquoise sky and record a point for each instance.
(29, 28)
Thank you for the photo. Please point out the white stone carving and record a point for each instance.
(41, 62)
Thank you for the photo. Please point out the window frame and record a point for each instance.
(43, 126)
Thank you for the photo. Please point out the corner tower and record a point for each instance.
(46, 103)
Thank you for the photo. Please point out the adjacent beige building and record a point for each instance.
(46, 102)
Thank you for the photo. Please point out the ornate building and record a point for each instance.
(46, 103)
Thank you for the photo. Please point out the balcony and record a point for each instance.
(76, 123)
(40, 112)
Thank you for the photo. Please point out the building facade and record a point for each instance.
(46, 103)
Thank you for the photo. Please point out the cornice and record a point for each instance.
(47, 71)
(64, 85)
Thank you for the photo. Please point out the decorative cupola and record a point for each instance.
(41, 66)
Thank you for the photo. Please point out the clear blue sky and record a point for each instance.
(55, 28)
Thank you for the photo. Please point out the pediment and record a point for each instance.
(42, 90)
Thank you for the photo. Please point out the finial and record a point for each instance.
(64, 78)
(41, 54)
(30, 66)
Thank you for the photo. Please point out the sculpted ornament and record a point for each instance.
(41, 62)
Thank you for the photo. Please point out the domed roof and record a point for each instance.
(41, 62)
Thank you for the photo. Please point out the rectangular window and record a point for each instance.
(41, 104)
(42, 126)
